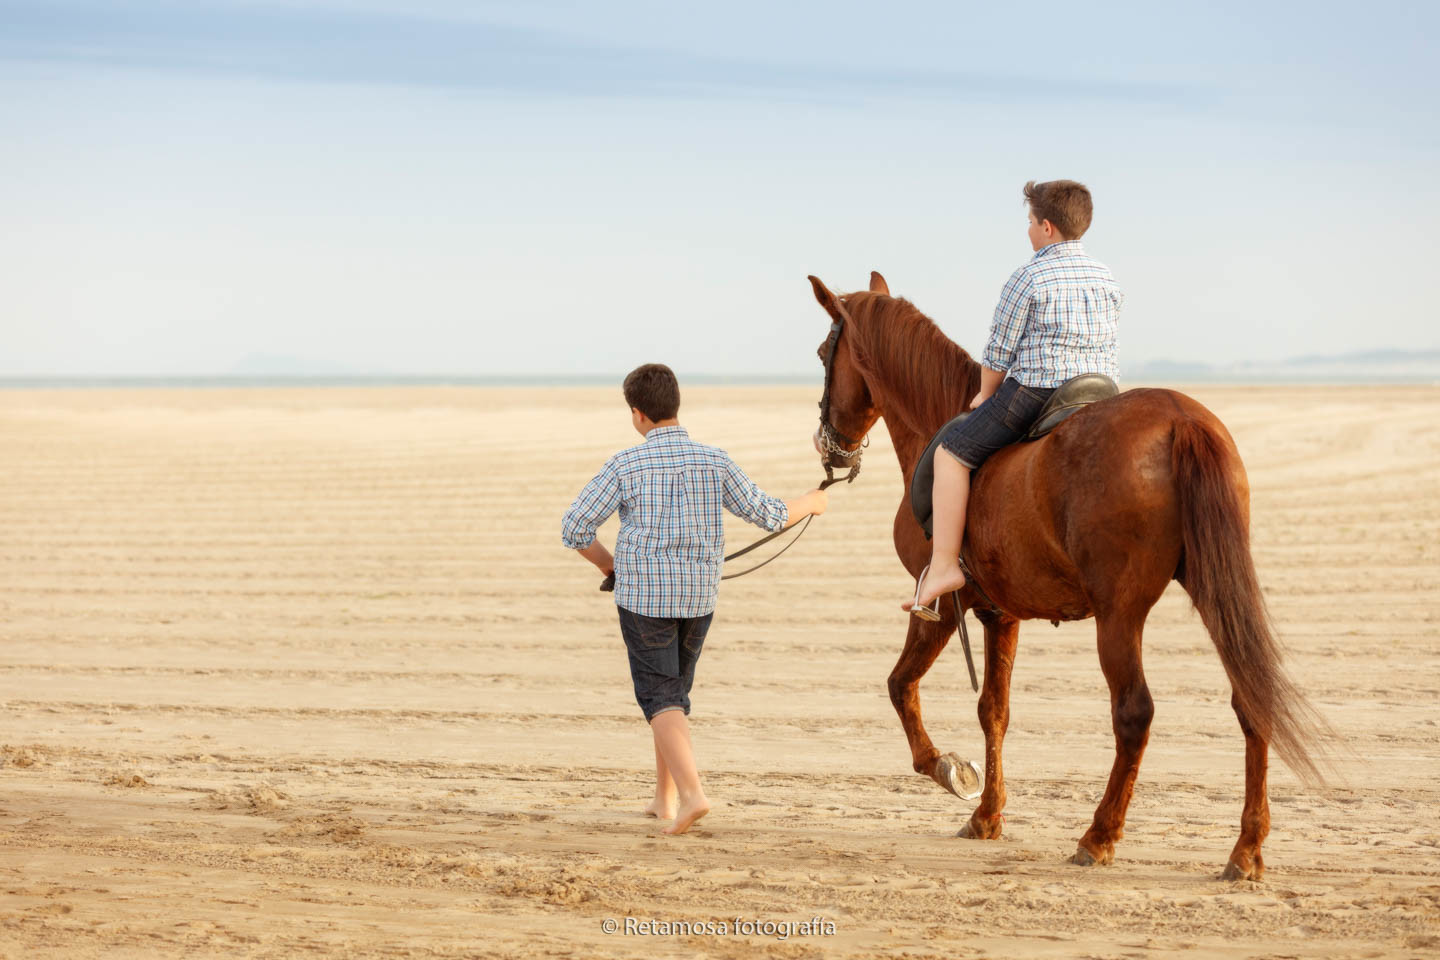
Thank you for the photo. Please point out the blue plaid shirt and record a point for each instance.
(1057, 318)
(669, 491)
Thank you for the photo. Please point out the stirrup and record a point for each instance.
(930, 613)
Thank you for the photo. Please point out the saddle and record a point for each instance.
(1071, 395)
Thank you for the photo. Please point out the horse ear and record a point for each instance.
(878, 284)
(827, 299)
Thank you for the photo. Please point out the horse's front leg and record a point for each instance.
(1002, 634)
(923, 644)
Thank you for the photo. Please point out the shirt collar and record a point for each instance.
(661, 432)
(1060, 246)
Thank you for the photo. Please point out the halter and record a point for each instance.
(832, 441)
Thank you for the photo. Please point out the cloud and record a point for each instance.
(325, 45)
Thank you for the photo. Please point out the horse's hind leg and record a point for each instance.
(1245, 860)
(1001, 637)
(1131, 710)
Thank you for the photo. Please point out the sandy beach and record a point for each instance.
(307, 672)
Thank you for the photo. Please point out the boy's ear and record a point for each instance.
(878, 284)
(827, 299)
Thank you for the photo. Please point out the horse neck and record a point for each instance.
(920, 386)
(908, 445)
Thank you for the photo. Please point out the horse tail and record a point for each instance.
(1218, 572)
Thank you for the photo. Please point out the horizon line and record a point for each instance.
(303, 381)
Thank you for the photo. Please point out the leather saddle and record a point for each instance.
(1071, 395)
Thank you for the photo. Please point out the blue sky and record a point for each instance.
(514, 188)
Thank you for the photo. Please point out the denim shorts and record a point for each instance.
(663, 651)
(996, 423)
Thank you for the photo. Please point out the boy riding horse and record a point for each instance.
(1057, 319)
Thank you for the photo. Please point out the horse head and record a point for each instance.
(847, 409)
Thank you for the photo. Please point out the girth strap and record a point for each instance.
(970, 579)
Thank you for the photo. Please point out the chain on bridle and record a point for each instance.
(832, 442)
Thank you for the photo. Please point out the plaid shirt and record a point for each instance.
(669, 491)
(1057, 318)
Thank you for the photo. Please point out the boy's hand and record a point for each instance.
(810, 503)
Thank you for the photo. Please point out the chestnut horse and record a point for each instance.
(1094, 519)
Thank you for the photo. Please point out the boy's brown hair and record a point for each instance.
(652, 389)
(1065, 203)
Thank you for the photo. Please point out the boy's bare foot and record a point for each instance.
(662, 809)
(687, 815)
(939, 580)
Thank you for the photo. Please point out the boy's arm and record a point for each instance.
(598, 555)
(599, 499)
(990, 381)
(1006, 329)
(748, 502)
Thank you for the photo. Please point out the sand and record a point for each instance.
(308, 672)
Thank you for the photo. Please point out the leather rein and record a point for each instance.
(832, 443)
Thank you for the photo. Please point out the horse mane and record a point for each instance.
(915, 372)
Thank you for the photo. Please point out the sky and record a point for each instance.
(533, 188)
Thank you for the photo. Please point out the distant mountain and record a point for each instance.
(1370, 366)
(1372, 357)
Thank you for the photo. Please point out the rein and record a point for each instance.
(832, 444)
(828, 481)
(608, 584)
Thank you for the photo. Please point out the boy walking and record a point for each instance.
(1057, 318)
(669, 491)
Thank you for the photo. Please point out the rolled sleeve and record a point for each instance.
(748, 502)
(599, 499)
(1011, 315)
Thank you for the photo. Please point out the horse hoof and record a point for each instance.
(983, 828)
(1085, 858)
(1236, 871)
(961, 777)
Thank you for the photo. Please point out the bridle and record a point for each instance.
(832, 442)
